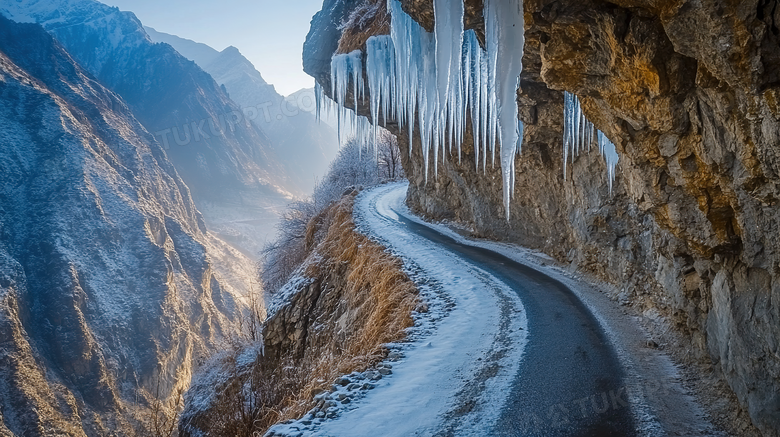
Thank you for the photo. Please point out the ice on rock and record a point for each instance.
(346, 70)
(578, 133)
(380, 67)
(608, 151)
(344, 67)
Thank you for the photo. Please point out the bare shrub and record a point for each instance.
(241, 396)
(163, 413)
(355, 166)
(369, 18)
(282, 256)
(250, 322)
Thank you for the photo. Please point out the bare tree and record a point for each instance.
(389, 156)
(251, 321)
(163, 419)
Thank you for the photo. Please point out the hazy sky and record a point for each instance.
(270, 33)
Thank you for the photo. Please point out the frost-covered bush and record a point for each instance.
(282, 256)
(357, 165)
(354, 166)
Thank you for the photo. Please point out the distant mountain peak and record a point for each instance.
(200, 53)
(289, 121)
(232, 50)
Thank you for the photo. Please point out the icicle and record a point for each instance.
(344, 67)
(426, 96)
(380, 66)
(474, 89)
(578, 132)
(448, 33)
(318, 101)
(611, 157)
(566, 131)
(483, 108)
(505, 35)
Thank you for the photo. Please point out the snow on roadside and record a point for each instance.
(467, 346)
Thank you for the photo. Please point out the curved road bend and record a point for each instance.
(570, 382)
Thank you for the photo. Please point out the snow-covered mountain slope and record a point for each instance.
(110, 288)
(212, 145)
(304, 146)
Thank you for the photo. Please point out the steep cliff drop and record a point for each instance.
(342, 313)
(687, 93)
(230, 166)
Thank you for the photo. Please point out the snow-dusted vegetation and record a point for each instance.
(355, 166)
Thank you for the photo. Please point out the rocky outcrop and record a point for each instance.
(110, 288)
(688, 93)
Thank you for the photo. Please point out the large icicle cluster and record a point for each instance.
(578, 134)
(441, 78)
(436, 80)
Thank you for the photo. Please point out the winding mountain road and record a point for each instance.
(506, 349)
(570, 381)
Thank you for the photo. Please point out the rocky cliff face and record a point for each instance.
(110, 288)
(688, 92)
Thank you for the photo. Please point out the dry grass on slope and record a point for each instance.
(358, 299)
(376, 287)
(368, 302)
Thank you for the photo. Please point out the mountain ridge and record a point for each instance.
(204, 131)
(303, 145)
